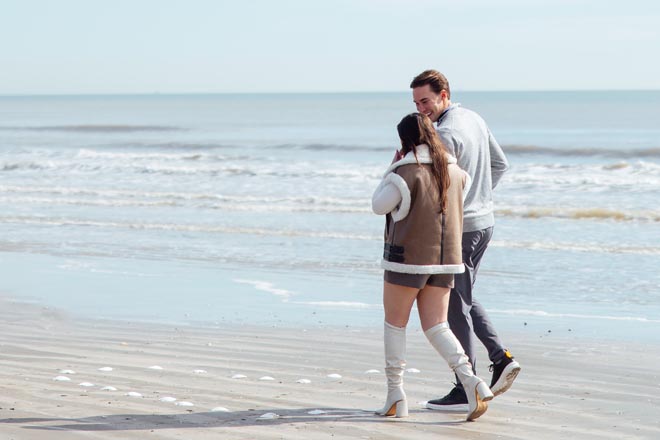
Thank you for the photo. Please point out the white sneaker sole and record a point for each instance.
(461, 407)
(506, 379)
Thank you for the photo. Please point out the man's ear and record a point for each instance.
(443, 95)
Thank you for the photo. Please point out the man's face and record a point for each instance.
(430, 103)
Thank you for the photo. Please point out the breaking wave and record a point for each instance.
(581, 151)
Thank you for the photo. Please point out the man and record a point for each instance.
(468, 138)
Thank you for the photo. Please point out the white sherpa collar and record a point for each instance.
(423, 156)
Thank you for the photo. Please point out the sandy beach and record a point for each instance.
(250, 382)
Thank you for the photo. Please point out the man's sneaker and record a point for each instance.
(504, 372)
(455, 401)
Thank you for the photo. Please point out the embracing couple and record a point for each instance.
(437, 198)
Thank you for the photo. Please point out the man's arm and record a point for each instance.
(498, 162)
(449, 141)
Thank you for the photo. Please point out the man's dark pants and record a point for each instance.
(466, 315)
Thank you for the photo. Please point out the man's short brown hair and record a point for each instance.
(433, 78)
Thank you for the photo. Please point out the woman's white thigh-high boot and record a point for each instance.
(478, 393)
(395, 352)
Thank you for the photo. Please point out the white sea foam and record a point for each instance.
(219, 409)
(596, 209)
(542, 313)
(234, 167)
(131, 157)
(225, 199)
(119, 203)
(339, 304)
(304, 381)
(86, 384)
(136, 202)
(119, 193)
(38, 220)
(133, 394)
(61, 379)
(108, 388)
(524, 244)
(578, 247)
(334, 376)
(105, 369)
(168, 399)
(184, 403)
(625, 176)
(265, 286)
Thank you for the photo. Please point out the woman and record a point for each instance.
(422, 195)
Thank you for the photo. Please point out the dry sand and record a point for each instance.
(568, 389)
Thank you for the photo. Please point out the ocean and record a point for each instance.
(230, 209)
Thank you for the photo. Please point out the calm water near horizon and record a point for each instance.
(256, 208)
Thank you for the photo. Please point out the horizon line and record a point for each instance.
(156, 93)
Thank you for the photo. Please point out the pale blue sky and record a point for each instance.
(200, 46)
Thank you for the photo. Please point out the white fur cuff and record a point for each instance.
(404, 207)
